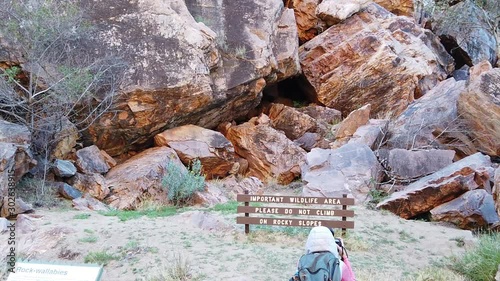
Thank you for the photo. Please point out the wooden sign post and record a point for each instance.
(276, 206)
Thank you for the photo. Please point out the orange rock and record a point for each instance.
(141, 177)
(442, 186)
(270, 154)
(291, 121)
(305, 15)
(479, 108)
(191, 142)
(374, 57)
(353, 121)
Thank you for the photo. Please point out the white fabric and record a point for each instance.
(321, 239)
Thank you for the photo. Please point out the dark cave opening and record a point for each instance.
(461, 57)
(294, 92)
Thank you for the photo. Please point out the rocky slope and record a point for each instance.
(351, 98)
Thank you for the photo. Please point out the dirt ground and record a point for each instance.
(209, 245)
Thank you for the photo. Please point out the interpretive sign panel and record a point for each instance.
(34, 271)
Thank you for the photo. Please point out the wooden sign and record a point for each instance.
(295, 211)
(294, 222)
(294, 199)
(34, 271)
(305, 217)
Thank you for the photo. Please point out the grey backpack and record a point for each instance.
(319, 266)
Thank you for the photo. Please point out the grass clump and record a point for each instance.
(125, 215)
(437, 274)
(181, 185)
(355, 242)
(89, 239)
(179, 269)
(228, 207)
(81, 216)
(102, 257)
(481, 262)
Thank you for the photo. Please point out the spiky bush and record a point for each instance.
(182, 185)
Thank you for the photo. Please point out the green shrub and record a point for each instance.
(481, 262)
(101, 257)
(181, 185)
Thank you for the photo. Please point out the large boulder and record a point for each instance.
(398, 7)
(391, 59)
(407, 164)
(352, 122)
(221, 191)
(7, 163)
(20, 207)
(89, 203)
(15, 152)
(496, 190)
(65, 139)
(432, 122)
(14, 133)
(141, 177)
(479, 109)
(67, 191)
(93, 184)
(440, 187)
(321, 114)
(270, 154)
(371, 134)
(291, 121)
(472, 210)
(305, 16)
(286, 54)
(351, 169)
(336, 11)
(91, 160)
(190, 142)
(211, 196)
(468, 31)
(63, 168)
(325, 119)
(309, 141)
(203, 64)
(313, 16)
(16, 158)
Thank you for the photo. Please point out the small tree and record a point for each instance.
(182, 185)
(52, 76)
(55, 75)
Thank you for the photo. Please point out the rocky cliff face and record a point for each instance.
(373, 103)
(190, 62)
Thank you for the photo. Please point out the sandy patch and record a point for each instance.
(216, 248)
